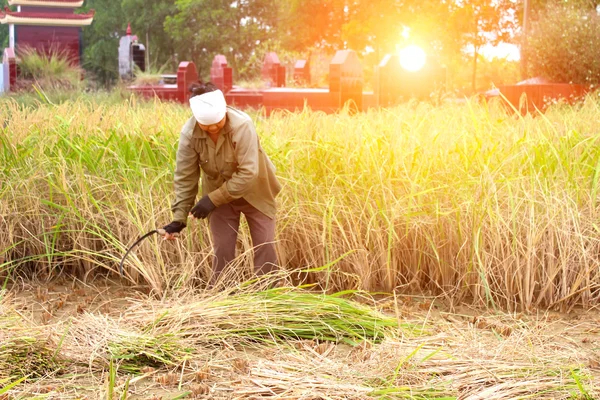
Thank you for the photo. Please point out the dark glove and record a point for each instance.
(173, 227)
(202, 208)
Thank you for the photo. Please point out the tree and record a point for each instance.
(312, 23)
(358, 24)
(540, 5)
(148, 20)
(201, 29)
(101, 40)
(3, 28)
(563, 42)
(537, 7)
(481, 22)
(373, 28)
(375, 24)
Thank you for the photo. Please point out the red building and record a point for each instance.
(46, 24)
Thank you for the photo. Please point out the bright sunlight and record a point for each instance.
(412, 58)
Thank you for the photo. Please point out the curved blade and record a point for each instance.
(132, 246)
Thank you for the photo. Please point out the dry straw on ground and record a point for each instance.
(453, 356)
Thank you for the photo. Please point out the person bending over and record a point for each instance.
(219, 144)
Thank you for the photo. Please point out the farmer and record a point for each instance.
(220, 143)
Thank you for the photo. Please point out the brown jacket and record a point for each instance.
(235, 167)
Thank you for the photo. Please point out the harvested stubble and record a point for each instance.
(461, 200)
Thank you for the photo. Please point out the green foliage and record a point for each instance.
(252, 68)
(312, 23)
(442, 29)
(152, 76)
(338, 24)
(101, 40)
(480, 22)
(3, 29)
(197, 30)
(202, 29)
(562, 44)
(491, 73)
(537, 5)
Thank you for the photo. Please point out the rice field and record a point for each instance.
(429, 252)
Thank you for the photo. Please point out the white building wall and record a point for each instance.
(4, 78)
(11, 36)
(125, 60)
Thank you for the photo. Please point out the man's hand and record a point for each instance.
(202, 208)
(171, 231)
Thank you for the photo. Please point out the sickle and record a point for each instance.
(132, 246)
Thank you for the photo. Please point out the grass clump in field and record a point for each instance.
(51, 69)
(23, 355)
(134, 351)
(25, 351)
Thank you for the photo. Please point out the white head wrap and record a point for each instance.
(209, 108)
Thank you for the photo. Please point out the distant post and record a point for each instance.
(4, 81)
(302, 72)
(388, 87)
(10, 64)
(220, 74)
(346, 79)
(186, 75)
(272, 70)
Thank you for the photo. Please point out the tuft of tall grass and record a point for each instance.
(148, 77)
(460, 200)
(52, 68)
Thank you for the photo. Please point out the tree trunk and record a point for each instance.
(474, 77)
(524, 66)
(147, 51)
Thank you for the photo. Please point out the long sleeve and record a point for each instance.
(187, 174)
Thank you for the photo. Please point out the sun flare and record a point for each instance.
(412, 58)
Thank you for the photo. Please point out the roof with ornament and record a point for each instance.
(39, 18)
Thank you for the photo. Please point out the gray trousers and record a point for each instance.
(224, 223)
